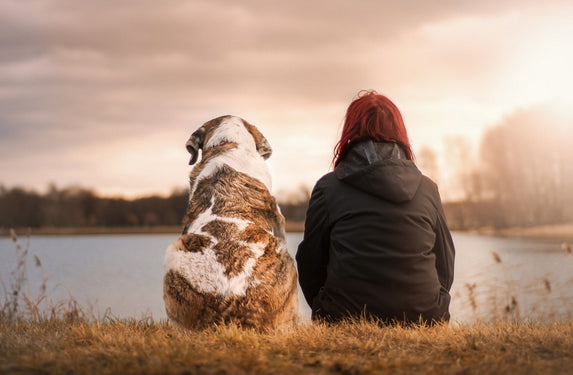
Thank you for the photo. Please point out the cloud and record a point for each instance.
(80, 79)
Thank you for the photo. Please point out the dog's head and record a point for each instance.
(227, 129)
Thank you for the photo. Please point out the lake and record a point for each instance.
(494, 277)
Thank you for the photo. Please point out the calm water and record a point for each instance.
(528, 280)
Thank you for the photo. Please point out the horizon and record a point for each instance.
(108, 105)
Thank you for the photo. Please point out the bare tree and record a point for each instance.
(527, 168)
(467, 176)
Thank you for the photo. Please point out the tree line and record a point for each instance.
(82, 207)
(521, 175)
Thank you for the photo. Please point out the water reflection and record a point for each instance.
(499, 278)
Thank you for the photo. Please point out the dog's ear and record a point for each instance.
(263, 146)
(195, 143)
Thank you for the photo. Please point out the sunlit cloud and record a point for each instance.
(104, 94)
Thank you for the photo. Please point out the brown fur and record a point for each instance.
(195, 242)
(254, 203)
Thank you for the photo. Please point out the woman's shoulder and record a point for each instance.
(430, 189)
(325, 183)
(428, 183)
(326, 179)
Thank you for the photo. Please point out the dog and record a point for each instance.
(231, 262)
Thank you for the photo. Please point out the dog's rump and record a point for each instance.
(272, 303)
(231, 262)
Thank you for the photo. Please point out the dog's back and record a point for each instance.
(231, 263)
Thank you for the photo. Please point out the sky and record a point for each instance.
(104, 94)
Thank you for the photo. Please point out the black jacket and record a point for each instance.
(376, 242)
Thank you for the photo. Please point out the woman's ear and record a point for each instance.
(263, 146)
(195, 143)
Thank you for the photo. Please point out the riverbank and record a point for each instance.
(291, 227)
(558, 232)
(549, 232)
(147, 347)
(72, 231)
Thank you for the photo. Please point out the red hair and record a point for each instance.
(372, 116)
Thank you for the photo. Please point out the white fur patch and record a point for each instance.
(202, 269)
(231, 130)
(206, 274)
(244, 158)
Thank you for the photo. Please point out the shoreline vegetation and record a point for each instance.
(562, 232)
(291, 227)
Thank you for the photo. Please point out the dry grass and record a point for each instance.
(145, 347)
(18, 303)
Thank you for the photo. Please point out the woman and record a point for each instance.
(376, 242)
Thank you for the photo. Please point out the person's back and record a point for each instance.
(376, 242)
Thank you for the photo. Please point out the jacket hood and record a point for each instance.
(381, 169)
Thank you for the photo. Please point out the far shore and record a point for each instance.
(560, 232)
(291, 227)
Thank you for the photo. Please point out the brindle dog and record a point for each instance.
(231, 262)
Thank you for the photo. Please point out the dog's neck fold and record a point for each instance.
(236, 156)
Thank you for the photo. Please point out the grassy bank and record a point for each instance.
(145, 347)
(291, 226)
(563, 232)
(556, 231)
(72, 231)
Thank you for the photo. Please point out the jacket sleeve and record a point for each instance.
(444, 249)
(312, 254)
